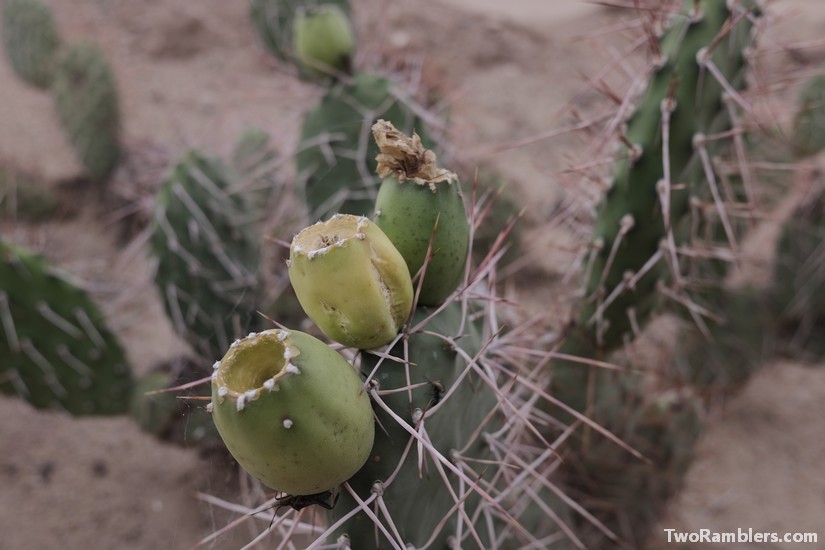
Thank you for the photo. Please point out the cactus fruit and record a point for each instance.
(86, 100)
(421, 506)
(809, 122)
(324, 41)
(292, 411)
(351, 281)
(275, 22)
(420, 208)
(335, 163)
(31, 40)
(55, 349)
(207, 258)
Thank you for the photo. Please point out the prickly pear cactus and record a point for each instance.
(275, 20)
(809, 122)
(31, 40)
(292, 411)
(56, 349)
(87, 105)
(421, 209)
(206, 255)
(335, 163)
(430, 362)
(351, 281)
(324, 42)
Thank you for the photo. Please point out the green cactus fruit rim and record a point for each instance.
(406, 158)
(351, 281)
(244, 385)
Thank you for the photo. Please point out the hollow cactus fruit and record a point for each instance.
(324, 41)
(351, 281)
(809, 122)
(206, 256)
(86, 100)
(292, 411)
(335, 163)
(31, 40)
(420, 208)
(56, 350)
(275, 22)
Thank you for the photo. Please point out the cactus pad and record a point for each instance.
(87, 105)
(207, 257)
(56, 349)
(31, 40)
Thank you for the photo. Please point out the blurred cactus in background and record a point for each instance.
(31, 40)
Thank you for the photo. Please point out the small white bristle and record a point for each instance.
(360, 236)
(234, 344)
(214, 376)
(223, 391)
(270, 384)
(297, 248)
(292, 369)
(252, 335)
(209, 408)
(287, 354)
(288, 423)
(216, 365)
(282, 335)
(241, 402)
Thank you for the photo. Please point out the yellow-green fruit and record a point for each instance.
(351, 281)
(323, 41)
(292, 411)
(420, 208)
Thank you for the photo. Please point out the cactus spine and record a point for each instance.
(31, 40)
(56, 349)
(87, 105)
(207, 256)
(809, 123)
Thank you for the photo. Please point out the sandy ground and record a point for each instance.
(191, 74)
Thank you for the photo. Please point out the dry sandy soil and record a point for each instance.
(192, 74)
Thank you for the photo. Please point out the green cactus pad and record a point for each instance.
(25, 197)
(207, 256)
(351, 281)
(324, 41)
(335, 163)
(31, 40)
(419, 204)
(292, 411)
(87, 105)
(417, 503)
(809, 123)
(56, 350)
(274, 21)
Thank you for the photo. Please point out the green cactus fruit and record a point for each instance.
(420, 208)
(351, 281)
(87, 105)
(324, 41)
(809, 123)
(207, 257)
(56, 350)
(433, 369)
(335, 163)
(274, 21)
(31, 40)
(292, 411)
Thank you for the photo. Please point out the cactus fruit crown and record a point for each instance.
(406, 158)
